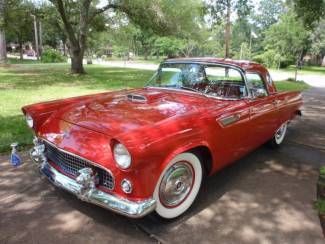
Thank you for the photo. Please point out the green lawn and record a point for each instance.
(291, 86)
(307, 70)
(22, 84)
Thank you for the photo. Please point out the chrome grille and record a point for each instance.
(71, 164)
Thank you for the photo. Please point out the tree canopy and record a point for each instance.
(309, 11)
(274, 32)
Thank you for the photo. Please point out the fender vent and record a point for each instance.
(136, 98)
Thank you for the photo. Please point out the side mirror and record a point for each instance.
(260, 92)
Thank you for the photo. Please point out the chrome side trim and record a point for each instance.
(86, 191)
(229, 120)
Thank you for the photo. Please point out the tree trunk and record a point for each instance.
(76, 65)
(323, 63)
(21, 50)
(145, 54)
(227, 30)
(77, 55)
(64, 48)
(3, 47)
(3, 44)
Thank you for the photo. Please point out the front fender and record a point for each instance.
(181, 149)
(150, 175)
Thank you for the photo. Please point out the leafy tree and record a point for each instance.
(268, 13)
(169, 46)
(241, 33)
(288, 38)
(270, 58)
(221, 11)
(20, 23)
(244, 52)
(318, 41)
(159, 16)
(310, 11)
(53, 30)
(146, 39)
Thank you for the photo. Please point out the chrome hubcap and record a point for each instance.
(279, 135)
(176, 184)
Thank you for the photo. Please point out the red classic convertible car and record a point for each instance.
(143, 150)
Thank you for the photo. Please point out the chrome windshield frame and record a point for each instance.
(215, 64)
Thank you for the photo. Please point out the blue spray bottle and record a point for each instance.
(15, 159)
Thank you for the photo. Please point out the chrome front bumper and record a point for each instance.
(88, 192)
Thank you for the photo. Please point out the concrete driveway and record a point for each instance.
(267, 197)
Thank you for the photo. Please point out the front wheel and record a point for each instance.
(178, 185)
(279, 135)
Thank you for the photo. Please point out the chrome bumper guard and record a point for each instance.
(84, 188)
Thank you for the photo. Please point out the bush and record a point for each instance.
(285, 62)
(269, 58)
(52, 56)
(272, 59)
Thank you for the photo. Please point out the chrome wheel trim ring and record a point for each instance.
(176, 184)
(280, 133)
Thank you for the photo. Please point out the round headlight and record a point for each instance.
(29, 121)
(122, 156)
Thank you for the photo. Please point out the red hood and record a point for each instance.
(123, 111)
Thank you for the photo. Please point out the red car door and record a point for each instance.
(264, 117)
(232, 140)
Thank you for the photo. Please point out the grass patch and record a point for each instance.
(307, 70)
(24, 61)
(22, 84)
(289, 85)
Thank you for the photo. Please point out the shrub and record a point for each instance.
(52, 56)
(272, 59)
(269, 58)
(285, 62)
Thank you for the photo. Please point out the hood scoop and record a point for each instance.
(146, 96)
(137, 98)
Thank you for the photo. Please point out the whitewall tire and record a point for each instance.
(279, 135)
(178, 185)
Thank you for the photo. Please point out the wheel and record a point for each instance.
(279, 135)
(178, 185)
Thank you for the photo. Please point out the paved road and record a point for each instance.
(267, 197)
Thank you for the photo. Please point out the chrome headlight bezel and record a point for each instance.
(126, 186)
(29, 121)
(121, 156)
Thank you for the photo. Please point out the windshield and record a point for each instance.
(219, 81)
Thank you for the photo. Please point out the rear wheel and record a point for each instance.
(178, 185)
(279, 135)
